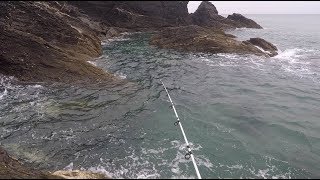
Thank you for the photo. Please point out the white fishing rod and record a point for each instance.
(189, 153)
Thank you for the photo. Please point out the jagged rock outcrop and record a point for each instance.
(207, 16)
(199, 39)
(265, 45)
(207, 7)
(40, 42)
(243, 21)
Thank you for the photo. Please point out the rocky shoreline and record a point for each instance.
(53, 42)
(198, 39)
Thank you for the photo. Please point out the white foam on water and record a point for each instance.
(267, 52)
(93, 63)
(143, 165)
(37, 86)
(295, 61)
(121, 75)
(3, 94)
(100, 170)
(289, 54)
(68, 167)
(115, 39)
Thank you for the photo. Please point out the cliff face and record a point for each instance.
(39, 42)
(136, 14)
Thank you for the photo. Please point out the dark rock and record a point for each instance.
(208, 8)
(207, 16)
(199, 39)
(243, 21)
(136, 14)
(265, 45)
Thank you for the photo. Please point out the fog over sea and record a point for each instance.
(246, 116)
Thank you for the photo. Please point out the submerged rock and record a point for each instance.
(198, 39)
(76, 174)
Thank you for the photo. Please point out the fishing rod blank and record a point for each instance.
(189, 153)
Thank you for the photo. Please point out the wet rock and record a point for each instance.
(199, 39)
(11, 168)
(265, 45)
(38, 42)
(243, 21)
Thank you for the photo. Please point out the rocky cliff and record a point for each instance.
(136, 14)
(52, 41)
(40, 41)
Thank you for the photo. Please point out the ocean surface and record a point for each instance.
(246, 116)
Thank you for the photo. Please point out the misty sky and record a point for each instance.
(262, 7)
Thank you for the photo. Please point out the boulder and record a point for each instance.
(243, 21)
(265, 45)
(199, 39)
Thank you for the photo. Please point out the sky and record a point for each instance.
(262, 7)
